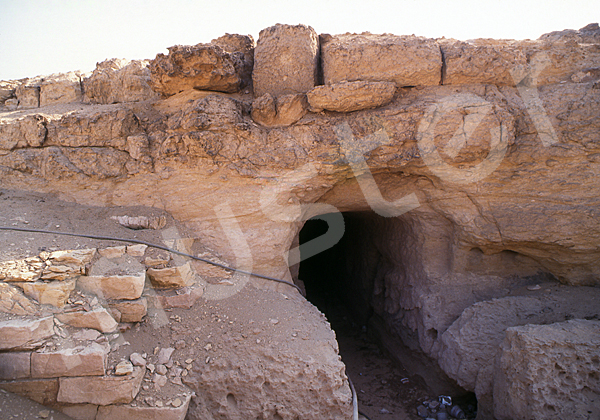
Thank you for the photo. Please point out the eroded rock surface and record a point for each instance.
(118, 80)
(285, 60)
(404, 60)
(202, 66)
(351, 96)
(549, 371)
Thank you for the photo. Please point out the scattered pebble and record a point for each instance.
(176, 402)
(137, 359)
(164, 355)
(534, 287)
(124, 368)
(161, 369)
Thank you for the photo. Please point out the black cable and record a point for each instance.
(164, 248)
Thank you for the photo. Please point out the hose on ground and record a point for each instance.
(164, 248)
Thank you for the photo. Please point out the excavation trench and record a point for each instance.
(347, 283)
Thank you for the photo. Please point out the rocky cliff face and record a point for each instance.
(470, 169)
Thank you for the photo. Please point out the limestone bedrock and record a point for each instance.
(489, 164)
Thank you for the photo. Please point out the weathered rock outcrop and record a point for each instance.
(476, 180)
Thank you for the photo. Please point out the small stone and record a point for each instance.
(422, 411)
(180, 344)
(84, 334)
(433, 404)
(137, 250)
(171, 277)
(534, 287)
(112, 252)
(188, 361)
(165, 354)
(159, 403)
(137, 359)
(274, 321)
(176, 402)
(160, 380)
(161, 369)
(124, 368)
(44, 414)
(151, 367)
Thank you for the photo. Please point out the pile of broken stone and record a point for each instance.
(61, 317)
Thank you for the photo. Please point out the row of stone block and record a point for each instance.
(291, 59)
(112, 81)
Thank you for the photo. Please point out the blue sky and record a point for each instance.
(49, 36)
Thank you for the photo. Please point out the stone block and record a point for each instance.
(98, 319)
(131, 310)
(114, 287)
(184, 300)
(112, 251)
(201, 66)
(79, 411)
(61, 88)
(13, 301)
(25, 333)
(126, 412)
(42, 391)
(64, 264)
(136, 250)
(15, 365)
(282, 111)
(549, 372)
(118, 80)
(53, 293)
(28, 96)
(77, 361)
(100, 390)
(171, 277)
(481, 61)
(286, 60)
(243, 46)
(7, 89)
(351, 96)
(27, 269)
(404, 60)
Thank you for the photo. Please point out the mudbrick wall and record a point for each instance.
(469, 170)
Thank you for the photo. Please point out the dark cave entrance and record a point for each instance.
(344, 282)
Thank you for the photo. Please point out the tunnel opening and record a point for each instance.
(345, 283)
